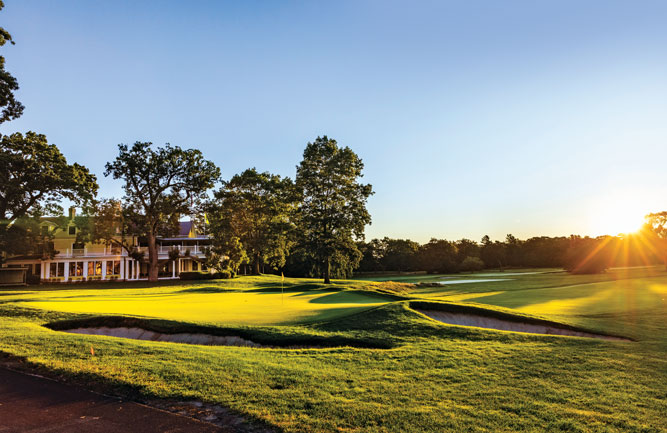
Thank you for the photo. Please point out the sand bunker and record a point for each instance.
(465, 319)
(187, 338)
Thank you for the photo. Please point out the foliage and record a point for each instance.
(470, 264)
(254, 212)
(438, 256)
(587, 255)
(34, 178)
(105, 221)
(227, 256)
(224, 274)
(26, 236)
(493, 254)
(655, 233)
(442, 256)
(160, 185)
(333, 212)
(11, 108)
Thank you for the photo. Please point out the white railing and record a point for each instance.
(85, 252)
(115, 251)
(194, 249)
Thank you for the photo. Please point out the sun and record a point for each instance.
(617, 216)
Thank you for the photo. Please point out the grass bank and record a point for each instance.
(420, 375)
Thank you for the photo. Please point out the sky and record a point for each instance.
(471, 117)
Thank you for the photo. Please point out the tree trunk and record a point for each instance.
(255, 264)
(152, 258)
(327, 271)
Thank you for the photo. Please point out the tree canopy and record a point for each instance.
(254, 211)
(35, 179)
(11, 107)
(333, 212)
(161, 185)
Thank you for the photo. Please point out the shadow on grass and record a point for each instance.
(351, 297)
(119, 389)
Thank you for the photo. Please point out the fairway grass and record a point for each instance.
(428, 377)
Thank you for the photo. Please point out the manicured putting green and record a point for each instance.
(234, 308)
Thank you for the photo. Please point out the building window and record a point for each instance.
(57, 269)
(113, 267)
(94, 268)
(75, 269)
(72, 230)
(195, 266)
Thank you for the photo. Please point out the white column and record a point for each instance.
(85, 270)
(173, 269)
(104, 269)
(46, 267)
(122, 270)
(66, 271)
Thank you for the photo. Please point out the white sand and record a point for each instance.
(142, 334)
(506, 325)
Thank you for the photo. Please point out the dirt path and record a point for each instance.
(33, 404)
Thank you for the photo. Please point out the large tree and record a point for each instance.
(655, 234)
(108, 221)
(161, 185)
(256, 210)
(333, 211)
(11, 108)
(34, 179)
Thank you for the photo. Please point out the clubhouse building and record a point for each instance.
(74, 262)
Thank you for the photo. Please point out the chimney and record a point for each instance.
(72, 212)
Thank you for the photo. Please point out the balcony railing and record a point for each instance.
(115, 251)
(182, 249)
(94, 252)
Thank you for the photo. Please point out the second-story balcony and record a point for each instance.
(94, 251)
(182, 249)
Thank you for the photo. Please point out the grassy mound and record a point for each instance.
(266, 336)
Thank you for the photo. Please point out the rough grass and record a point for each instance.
(430, 377)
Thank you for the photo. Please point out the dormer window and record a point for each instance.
(72, 230)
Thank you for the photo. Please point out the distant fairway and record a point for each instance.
(388, 368)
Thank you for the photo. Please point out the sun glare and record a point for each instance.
(618, 216)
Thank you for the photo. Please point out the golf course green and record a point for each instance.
(354, 356)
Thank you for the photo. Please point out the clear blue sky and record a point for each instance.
(472, 117)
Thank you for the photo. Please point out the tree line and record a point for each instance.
(575, 253)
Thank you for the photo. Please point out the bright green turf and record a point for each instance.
(435, 378)
(210, 306)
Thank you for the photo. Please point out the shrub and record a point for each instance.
(197, 276)
(470, 264)
(225, 274)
